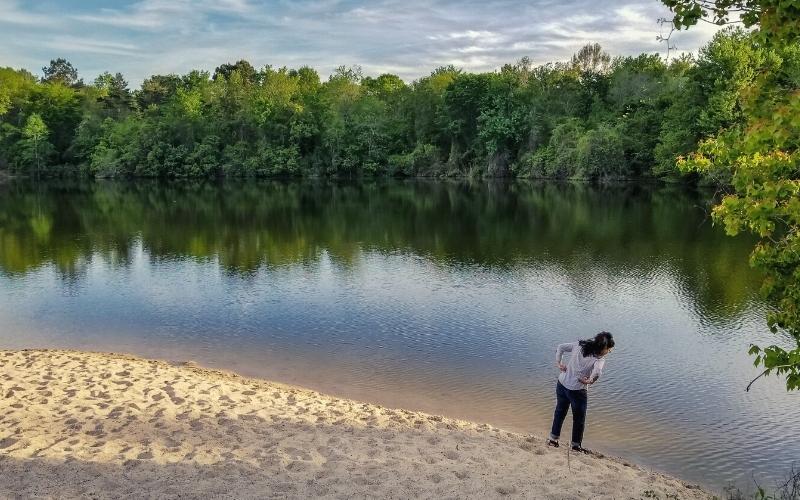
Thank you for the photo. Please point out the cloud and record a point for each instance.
(74, 44)
(11, 13)
(407, 37)
(162, 14)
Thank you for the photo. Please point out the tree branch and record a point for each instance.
(747, 389)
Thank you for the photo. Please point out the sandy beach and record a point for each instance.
(77, 424)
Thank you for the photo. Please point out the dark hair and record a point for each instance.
(593, 347)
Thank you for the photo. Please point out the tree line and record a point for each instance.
(594, 117)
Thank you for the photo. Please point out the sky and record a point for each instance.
(409, 38)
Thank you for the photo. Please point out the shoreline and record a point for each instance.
(74, 423)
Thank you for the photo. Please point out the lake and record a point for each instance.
(447, 297)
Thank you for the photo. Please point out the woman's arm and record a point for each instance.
(562, 348)
(597, 370)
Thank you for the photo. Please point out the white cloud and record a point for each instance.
(633, 14)
(75, 44)
(155, 14)
(12, 13)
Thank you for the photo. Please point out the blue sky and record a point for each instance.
(406, 37)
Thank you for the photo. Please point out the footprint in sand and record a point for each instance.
(324, 451)
(435, 478)
(450, 454)
(99, 394)
(11, 391)
(297, 454)
(170, 442)
(115, 413)
(7, 442)
(97, 432)
(172, 396)
(506, 490)
(296, 466)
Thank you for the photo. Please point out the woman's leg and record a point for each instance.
(562, 406)
(579, 401)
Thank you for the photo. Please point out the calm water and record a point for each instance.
(444, 297)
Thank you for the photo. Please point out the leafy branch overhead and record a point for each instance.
(777, 20)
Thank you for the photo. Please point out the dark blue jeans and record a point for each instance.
(578, 400)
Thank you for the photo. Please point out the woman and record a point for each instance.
(582, 370)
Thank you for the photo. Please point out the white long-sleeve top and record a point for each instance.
(578, 366)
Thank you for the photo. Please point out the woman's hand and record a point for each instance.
(587, 381)
(561, 366)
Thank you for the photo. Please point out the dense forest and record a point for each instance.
(594, 117)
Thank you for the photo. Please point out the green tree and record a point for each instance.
(114, 94)
(591, 58)
(244, 68)
(763, 161)
(35, 132)
(156, 90)
(61, 71)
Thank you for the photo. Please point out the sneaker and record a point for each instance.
(578, 449)
(552, 443)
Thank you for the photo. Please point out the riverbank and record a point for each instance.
(74, 424)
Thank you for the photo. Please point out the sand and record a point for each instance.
(78, 424)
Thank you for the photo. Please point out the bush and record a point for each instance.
(600, 154)
(274, 161)
(534, 165)
(423, 160)
(563, 147)
(205, 159)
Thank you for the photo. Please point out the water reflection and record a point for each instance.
(447, 297)
(621, 229)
